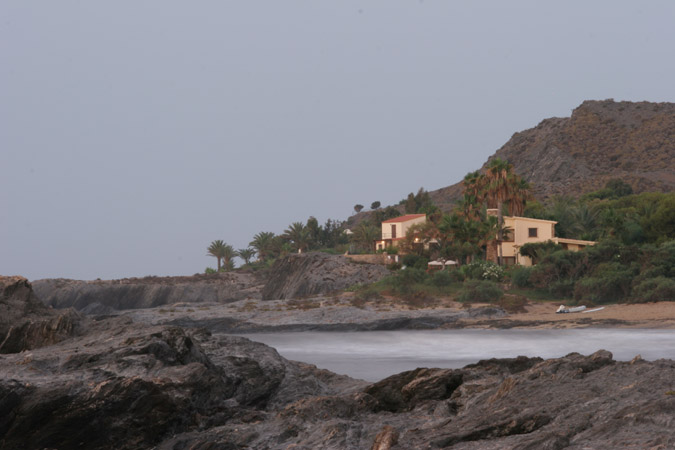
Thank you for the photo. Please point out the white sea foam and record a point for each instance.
(375, 355)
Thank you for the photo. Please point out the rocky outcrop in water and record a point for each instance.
(127, 386)
(26, 323)
(103, 296)
(308, 274)
(521, 403)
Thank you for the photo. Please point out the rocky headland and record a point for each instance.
(293, 276)
(120, 383)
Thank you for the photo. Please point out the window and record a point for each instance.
(508, 260)
(393, 231)
(532, 232)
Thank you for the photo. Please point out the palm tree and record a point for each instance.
(228, 253)
(519, 195)
(474, 195)
(298, 235)
(246, 254)
(218, 250)
(499, 179)
(365, 235)
(586, 220)
(263, 244)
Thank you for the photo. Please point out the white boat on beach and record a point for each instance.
(564, 309)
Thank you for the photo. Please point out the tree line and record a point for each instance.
(268, 246)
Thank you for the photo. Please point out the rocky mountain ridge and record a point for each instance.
(633, 141)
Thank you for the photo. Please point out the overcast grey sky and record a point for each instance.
(133, 133)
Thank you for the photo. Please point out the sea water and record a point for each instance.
(375, 355)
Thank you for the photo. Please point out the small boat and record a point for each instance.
(564, 309)
(593, 310)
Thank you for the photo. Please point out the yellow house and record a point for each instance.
(524, 230)
(394, 230)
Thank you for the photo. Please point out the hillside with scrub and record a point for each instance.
(602, 140)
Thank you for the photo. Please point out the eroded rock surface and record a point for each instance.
(122, 385)
(26, 323)
(304, 275)
(574, 402)
(104, 296)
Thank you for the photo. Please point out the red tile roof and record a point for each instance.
(405, 218)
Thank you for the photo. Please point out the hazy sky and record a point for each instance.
(133, 133)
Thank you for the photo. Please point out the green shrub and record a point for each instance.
(456, 275)
(562, 266)
(210, 270)
(483, 270)
(441, 278)
(480, 291)
(537, 250)
(520, 276)
(610, 282)
(654, 290)
(405, 279)
(562, 288)
(368, 293)
(415, 261)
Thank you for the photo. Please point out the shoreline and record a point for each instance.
(339, 314)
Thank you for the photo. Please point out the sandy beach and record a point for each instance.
(542, 315)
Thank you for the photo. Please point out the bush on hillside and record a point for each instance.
(561, 266)
(520, 276)
(480, 291)
(610, 282)
(483, 270)
(415, 261)
(442, 278)
(657, 289)
(404, 280)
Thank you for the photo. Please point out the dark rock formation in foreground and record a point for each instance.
(129, 386)
(123, 385)
(102, 296)
(308, 274)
